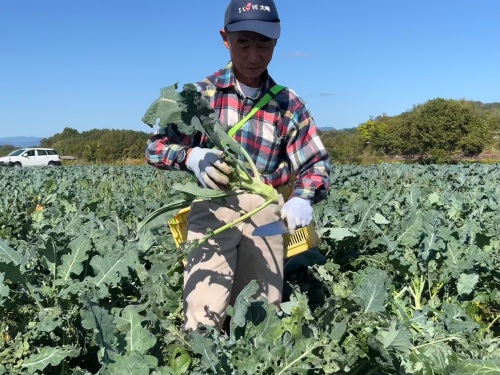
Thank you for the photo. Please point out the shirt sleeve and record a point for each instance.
(163, 146)
(308, 157)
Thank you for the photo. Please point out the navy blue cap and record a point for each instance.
(260, 17)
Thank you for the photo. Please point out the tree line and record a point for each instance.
(95, 146)
(99, 145)
(438, 131)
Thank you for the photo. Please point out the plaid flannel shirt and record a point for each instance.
(281, 138)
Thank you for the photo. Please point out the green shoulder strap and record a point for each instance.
(260, 104)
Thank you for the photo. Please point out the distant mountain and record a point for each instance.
(20, 141)
(332, 129)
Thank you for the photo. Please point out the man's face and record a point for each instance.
(251, 53)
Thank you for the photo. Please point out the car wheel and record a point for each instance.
(52, 164)
(17, 165)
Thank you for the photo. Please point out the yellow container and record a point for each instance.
(303, 239)
(178, 226)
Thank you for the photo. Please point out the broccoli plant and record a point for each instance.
(191, 112)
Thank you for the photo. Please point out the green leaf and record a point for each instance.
(50, 255)
(338, 331)
(436, 356)
(72, 287)
(73, 262)
(111, 268)
(478, 367)
(132, 364)
(12, 264)
(297, 357)
(373, 290)
(100, 323)
(138, 338)
(48, 356)
(456, 319)
(263, 324)
(379, 219)
(4, 289)
(79, 371)
(466, 283)
(337, 234)
(179, 359)
(434, 198)
(164, 370)
(411, 230)
(116, 226)
(242, 302)
(395, 339)
(432, 241)
(298, 313)
(49, 320)
(9, 255)
(205, 348)
(165, 108)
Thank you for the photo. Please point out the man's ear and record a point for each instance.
(225, 38)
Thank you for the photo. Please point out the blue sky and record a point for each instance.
(89, 64)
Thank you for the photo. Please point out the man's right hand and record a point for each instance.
(208, 167)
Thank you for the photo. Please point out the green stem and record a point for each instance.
(180, 337)
(416, 291)
(303, 355)
(433, 342)
(493, 321)
(236, 221)
(255, 172)
(400, 293)
(54, 271)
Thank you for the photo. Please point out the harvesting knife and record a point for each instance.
(275, 228)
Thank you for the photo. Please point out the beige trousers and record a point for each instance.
(220, 268)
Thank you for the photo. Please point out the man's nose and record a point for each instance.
(253, 54)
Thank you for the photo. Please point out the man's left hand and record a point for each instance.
(297, 213)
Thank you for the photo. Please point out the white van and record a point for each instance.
(31, 157)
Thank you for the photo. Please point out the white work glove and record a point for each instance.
(209, 169)
(297, 213)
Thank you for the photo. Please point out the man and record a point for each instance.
(282, 140)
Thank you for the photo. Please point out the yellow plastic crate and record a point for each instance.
(178, 226)
(303, 239)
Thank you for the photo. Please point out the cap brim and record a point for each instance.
(270, 29)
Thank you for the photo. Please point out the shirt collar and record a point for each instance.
(227, 79)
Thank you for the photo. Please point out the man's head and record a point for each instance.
(260, 17)
(250, 33)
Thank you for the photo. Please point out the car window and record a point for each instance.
(17, 152)
(30, 152)
(41, 152)
(51, 152)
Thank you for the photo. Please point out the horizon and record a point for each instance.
(88, 130)
(323, 128)
(349, 61)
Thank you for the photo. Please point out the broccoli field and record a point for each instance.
(411, 283)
